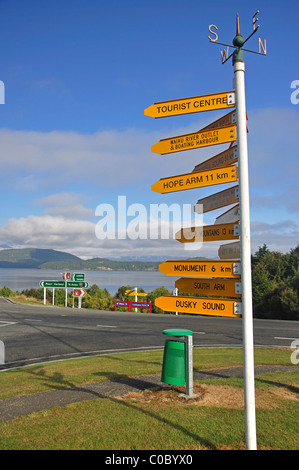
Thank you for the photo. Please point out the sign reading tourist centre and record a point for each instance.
(196, 140)
(198, 179)
(195, 104)
(197, 305)
(210, 268)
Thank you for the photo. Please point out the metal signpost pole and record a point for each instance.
(245, 251)
(247, 317)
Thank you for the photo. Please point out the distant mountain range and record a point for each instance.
(52, 259)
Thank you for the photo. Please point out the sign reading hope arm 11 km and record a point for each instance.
(197, 179)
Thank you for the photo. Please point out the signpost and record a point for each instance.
(232, 215)
(200, 306)
(226, 120)
(215, 201)
(208, 233)
(129, 304)
(79, 292)
(78, 277)
(209, 286)
(193, 180)
(245, 251)
(208, 268)
(76, 284)
(191, 105)
(229, 251)
(60, 284)
(196, 140)
(225, 158)
(65, 284)
(223, 130)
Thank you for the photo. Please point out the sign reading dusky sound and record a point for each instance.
(196, 305)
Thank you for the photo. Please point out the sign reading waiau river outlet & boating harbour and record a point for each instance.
(196, 140)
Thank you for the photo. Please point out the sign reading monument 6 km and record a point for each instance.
(191, 105)
(209, 268)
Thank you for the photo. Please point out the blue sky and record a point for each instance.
(78, 76)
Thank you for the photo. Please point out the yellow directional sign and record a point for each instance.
(229, 251)
(139, 294)
(225, 158)
(198, 179)
(226, 120)
(207, 233)
(195, 104)
(196, 140)
(201, 268)
(232, 215)
(134, 292)
(206, 286)
(217, 200)
(200, 306)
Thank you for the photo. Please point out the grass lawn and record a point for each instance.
(154, 420)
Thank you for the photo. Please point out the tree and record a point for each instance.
(154, 295)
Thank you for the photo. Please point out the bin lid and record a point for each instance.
(177, 332)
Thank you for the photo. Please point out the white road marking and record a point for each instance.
(107, 326)
(7, 323)
(281, 337)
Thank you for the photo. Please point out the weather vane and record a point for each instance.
(238, 42)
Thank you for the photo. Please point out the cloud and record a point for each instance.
(67, 205)
(111, 163)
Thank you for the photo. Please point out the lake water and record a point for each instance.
(19, 279)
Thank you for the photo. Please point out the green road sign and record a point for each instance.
(78, 277)
(52, 283)
(76, 284)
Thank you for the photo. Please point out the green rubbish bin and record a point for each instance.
(174, 358)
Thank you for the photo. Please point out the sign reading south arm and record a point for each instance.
(195, 104)
(209, 286)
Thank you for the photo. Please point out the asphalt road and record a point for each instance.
(36, 334)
